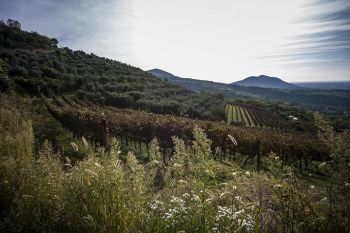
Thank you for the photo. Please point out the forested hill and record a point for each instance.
(35, 64)
(266, 82)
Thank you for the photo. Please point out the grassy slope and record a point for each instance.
(36, 65)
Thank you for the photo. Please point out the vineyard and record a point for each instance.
(253, 116)
(99, 123)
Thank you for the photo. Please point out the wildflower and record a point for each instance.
(195, 198)
(156, 204)
(185, 195)
(237, 213)
(178, 208)
(312, 187)
(175, 199)
(234, 188)
(248, 223)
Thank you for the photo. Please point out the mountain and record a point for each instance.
(327, 101)
(162, 74)
(266, 82)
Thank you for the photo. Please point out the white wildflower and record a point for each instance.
(195, 198)
(186, 195)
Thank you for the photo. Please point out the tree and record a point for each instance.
(13, 24)
(54, 42)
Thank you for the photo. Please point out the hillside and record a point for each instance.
(35, 64)
(327, 101)
(266, 82)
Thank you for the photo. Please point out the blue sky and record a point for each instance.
(224, 41)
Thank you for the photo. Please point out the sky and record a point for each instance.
(222, 41)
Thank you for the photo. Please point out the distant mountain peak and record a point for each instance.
(266, 82)
(161, 73)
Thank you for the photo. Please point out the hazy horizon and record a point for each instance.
(297, 41)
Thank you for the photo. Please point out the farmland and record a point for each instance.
(253, 116)
(100, 123)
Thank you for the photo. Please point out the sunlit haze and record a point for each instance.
(222, 41)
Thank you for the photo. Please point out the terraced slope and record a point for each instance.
(252, 116)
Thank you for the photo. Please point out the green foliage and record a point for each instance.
(95, 121)
(201, 145)
(35, 65)
(48, 193)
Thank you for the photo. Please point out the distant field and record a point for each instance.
(253, 116)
